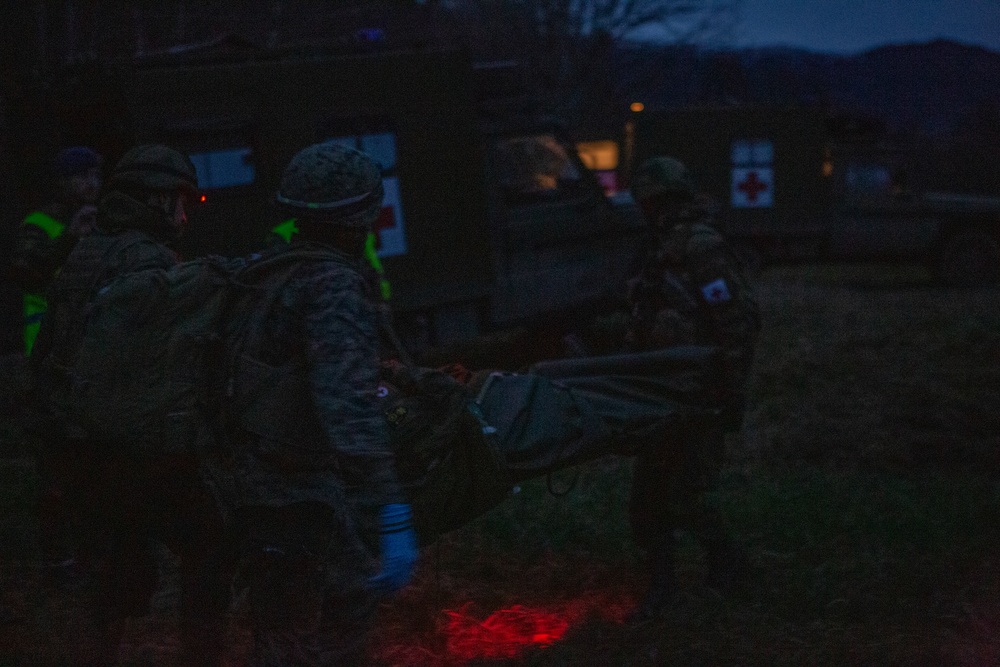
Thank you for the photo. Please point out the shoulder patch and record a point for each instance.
(716, 291)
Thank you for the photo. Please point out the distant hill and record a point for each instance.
(921, 86)
(925, 88)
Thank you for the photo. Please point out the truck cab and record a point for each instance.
(561, 249)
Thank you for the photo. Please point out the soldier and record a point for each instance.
(126, 502)
(47, 235)
(310, 479)
(691, 290)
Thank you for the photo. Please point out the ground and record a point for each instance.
(864, 486)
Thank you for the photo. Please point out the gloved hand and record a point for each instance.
(398, 542)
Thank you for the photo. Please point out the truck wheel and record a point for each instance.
(970, 259)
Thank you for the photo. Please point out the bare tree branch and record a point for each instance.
(567, 42)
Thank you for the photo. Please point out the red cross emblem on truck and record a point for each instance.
(386, 220)
(752, 187)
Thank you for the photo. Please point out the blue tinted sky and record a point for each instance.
(846, 26)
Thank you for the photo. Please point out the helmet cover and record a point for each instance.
(332, 183)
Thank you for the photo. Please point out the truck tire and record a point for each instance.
(970, 259)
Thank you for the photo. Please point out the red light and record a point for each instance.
(203, 199)
(507, 633)
(504, 633)
(469, 635)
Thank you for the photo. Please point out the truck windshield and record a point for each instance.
(224, 168)
(532, 167)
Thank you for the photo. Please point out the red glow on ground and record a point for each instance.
(503, 634)
(507, 633)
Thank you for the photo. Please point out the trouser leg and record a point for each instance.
(679, 493)
(653, 523)
(206, 575)
(727, 564)
(51, 512)
(349, 607)
(59, 503)
(205, 598)
(309, 603)
(650, 511)
(126, 577)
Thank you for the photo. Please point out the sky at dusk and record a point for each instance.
(848, 26)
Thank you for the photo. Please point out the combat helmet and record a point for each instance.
(155, 167)
(334, 184)
(660, 176)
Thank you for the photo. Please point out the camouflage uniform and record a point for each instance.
(303, 487)
(120, 503)
(374, 272)
(691, 290)
(309, 462)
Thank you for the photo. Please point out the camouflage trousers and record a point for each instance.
(672, 488)
(125, 509)
(307, 572)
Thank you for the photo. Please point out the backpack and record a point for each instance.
(150, 373)
(95, 259)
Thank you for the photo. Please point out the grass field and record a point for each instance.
(865, 487)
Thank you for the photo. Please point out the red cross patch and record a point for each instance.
(716, 291)
(753, 188)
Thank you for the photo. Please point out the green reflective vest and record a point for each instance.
(35, 305)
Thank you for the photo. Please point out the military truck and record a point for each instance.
(791, 185)
(490, 219)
